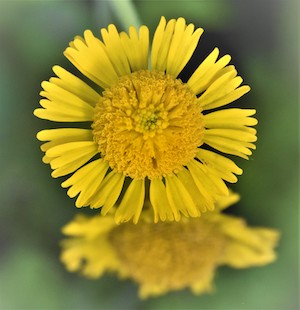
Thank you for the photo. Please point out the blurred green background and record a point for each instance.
(263, 38)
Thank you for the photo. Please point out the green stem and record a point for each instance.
(126, 12)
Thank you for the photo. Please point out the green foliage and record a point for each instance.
(212, 14)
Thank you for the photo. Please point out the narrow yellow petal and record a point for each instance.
(68, 157)
(64, 108)
(71, 146)
(64, 133)
(71, 166)
(220, 88)
(108, 189)
(57, 94)
(144, 45)
(229, 146)
(231, 119)
(46, 159)
(233, 113)
(179, 198)
(159, 202)
(213, 184)
(224, 202)
(132, 202)
(223, 91)
(99, 172)
(224, 167)
(216, 180)
(161, 44)
(136, 47)
(247, 246)
(209, 71)
(199, 74)
(113, 196)
(77, 176)
(78, 60)
(55, 114)
(232, 134)
(62, 136)
(183, 45)
(92, 60)
(115, 51)
(74, 85)
(186, 179)
(73, 154)
(86, 180)
(199, 180)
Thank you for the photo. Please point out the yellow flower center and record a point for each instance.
(148, 125)
(171, 256)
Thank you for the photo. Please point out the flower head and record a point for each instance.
(166, 256)
(147, 132)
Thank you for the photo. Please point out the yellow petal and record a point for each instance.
(224, 167)
(115, 51)
(161, 44)
(229, 146)
(65, 133)
(74, 85)
(100, 169)
(62, 136)
(159, 202)
(199, 180)
(179, 198)
(57, 116)
(224, 202)
(183, 44)
(61, 149)
(91, 59)
(247, 246)
(232, 96)
(186, 179)
(72, 155)
(65, 98)
(213, 184)
(72, 166)
(136, 47)
(86, 180)
(132, 202)
(232, 134)
(113, 196)
(208, 71)
(109, 189)
(231, 119)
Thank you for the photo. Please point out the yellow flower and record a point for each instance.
(146, 132)
(166, 256)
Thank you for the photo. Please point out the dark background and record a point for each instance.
(262, 38)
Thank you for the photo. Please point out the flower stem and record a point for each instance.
(126, 12)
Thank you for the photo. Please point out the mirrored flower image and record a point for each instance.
(166, 256)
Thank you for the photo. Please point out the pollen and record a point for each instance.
(148, 124)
